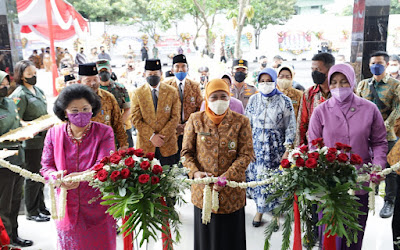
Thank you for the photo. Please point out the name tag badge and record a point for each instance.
(32, 99)
(205, 133)
(294, 101)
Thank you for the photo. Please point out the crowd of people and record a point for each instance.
(235, 126)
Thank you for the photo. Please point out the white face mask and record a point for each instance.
(393, 69)
(218, 107)
(284, 83)
(266, 87)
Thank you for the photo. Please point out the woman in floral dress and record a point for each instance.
(273, 126)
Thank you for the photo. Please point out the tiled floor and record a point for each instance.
(377, 235)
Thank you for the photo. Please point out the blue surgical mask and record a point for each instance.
(377, 69)
(180, 75)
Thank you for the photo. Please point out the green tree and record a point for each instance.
(394, 7)
(348, 10)
(269, 12)
(204, 13)
(149, 15)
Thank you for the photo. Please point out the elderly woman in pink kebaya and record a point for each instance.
(72, 148)
(349, 119)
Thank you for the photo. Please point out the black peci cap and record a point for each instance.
(179, 59)
(69, 78)
(153, 64)
(88, 69)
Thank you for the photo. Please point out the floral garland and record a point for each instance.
(210, 199)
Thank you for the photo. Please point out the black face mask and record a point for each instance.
(240, 76)
(318, 77)
(153, 80)
(31, 81)
(104, 76)
(3, 92)
(263, 65)
(81, 51)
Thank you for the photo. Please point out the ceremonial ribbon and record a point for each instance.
(329, 241)
(297, 227)
(128, 238)
(166, 239)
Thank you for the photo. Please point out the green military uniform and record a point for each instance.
(10, 182)
(30, 107)
(120, 93)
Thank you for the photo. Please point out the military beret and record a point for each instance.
(103, 64)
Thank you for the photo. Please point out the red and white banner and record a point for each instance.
(67, 22)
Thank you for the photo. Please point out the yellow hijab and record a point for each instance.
(213, 86)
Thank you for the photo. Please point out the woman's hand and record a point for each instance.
(69, 184)
(58, 174)
(217, 187)
(285, 155)
(201, 175)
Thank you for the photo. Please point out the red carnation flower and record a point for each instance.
(285, 163)
(330, 157)
(342, 158)
(122, 153)
(157, 169)
(332, 150)
(311, 163)
(98, 167)
(105, 160)
(130, 162)
(139, 152)
(318, 142)
(130, 151)
(304, 149)
(115, 175)
(314, 155)
(150, 156)
(155, 180)
(300, 162)
(355, 159)
(102, 175)
(144, 178)
(125, 173)
(115, 158)
(145, 165)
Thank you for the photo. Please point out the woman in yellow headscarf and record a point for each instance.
(218, 142)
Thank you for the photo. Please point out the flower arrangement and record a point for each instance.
(156, 38)
(249, 37)
(324, 177)
(145, 39)
(114, 39)
(134, 185)
(185, 36)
